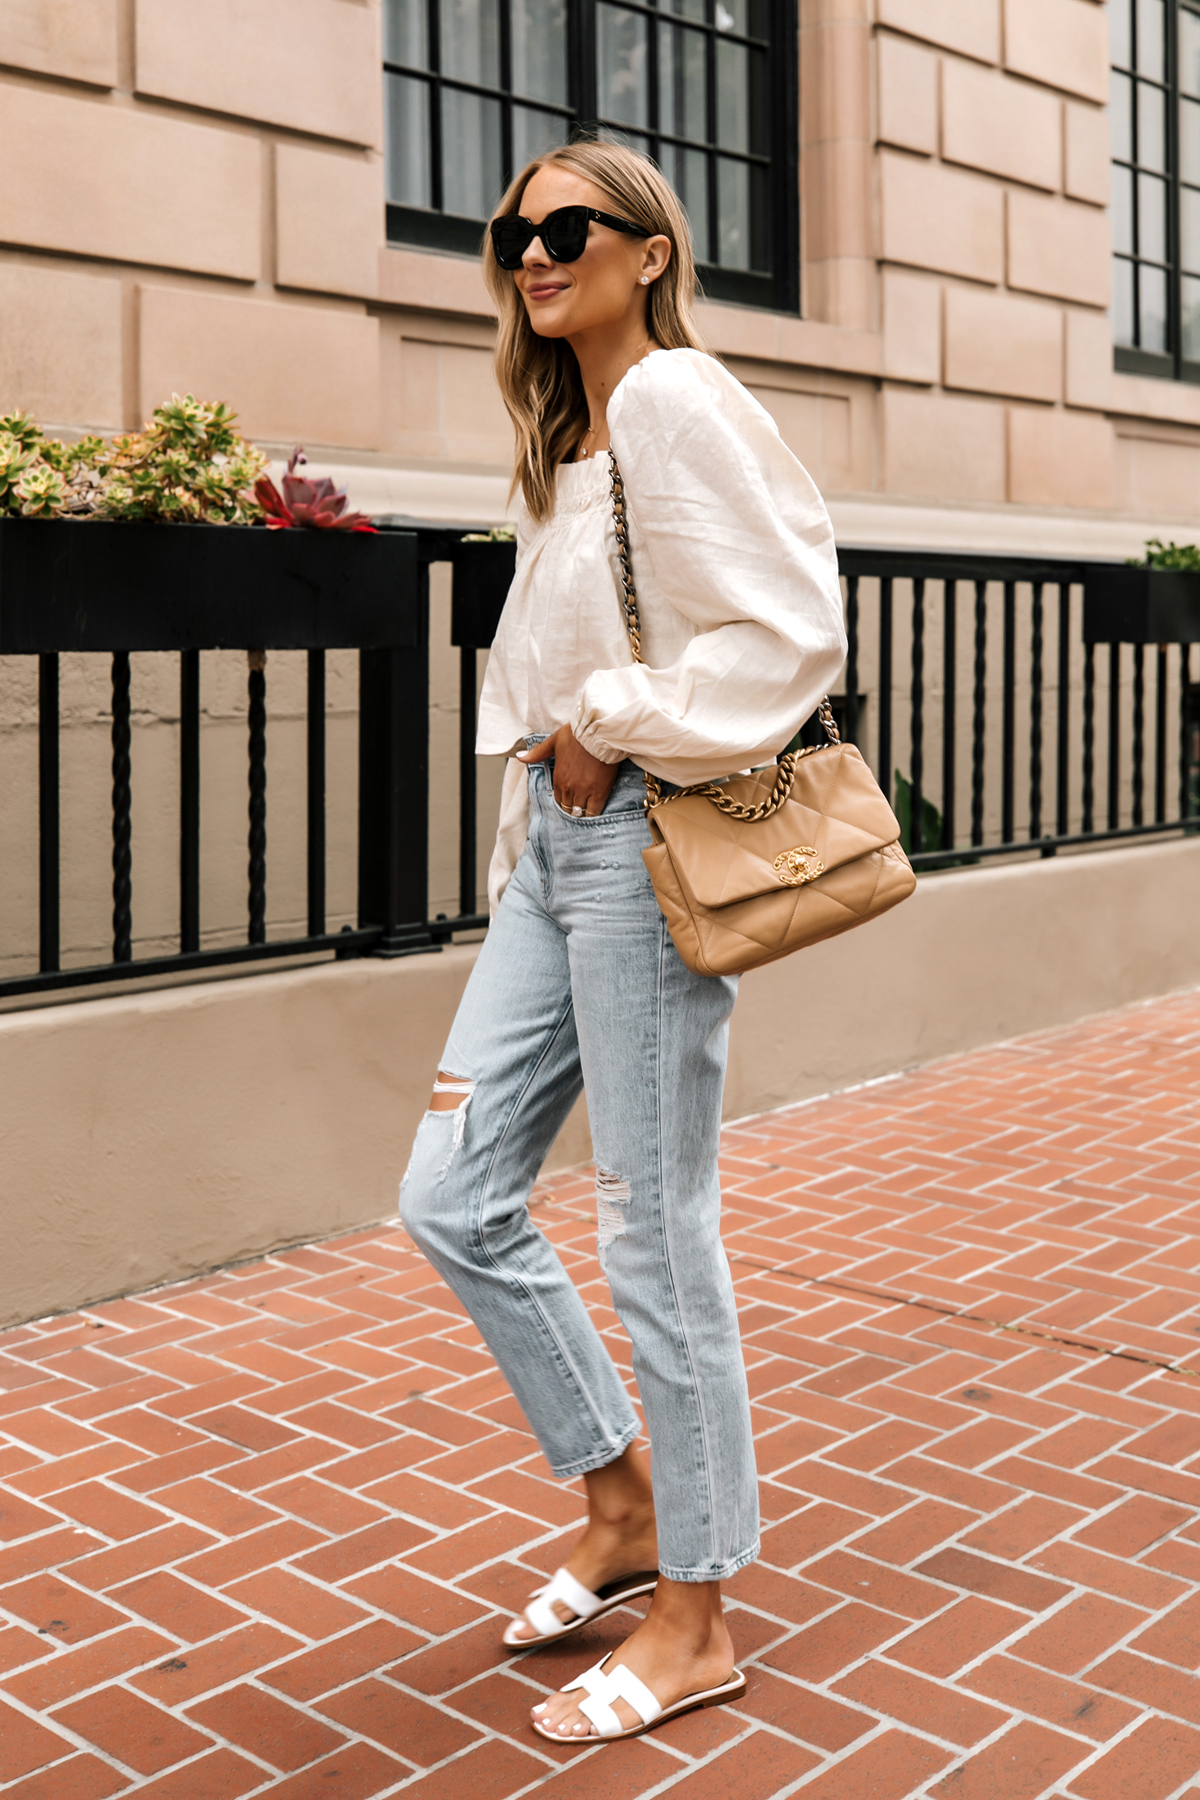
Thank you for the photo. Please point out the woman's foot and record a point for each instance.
(620, 1537)
(682, 1647)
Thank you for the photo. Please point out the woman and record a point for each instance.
(590, 263)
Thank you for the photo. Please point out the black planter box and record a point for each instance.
(483, 574)
(1124, 605)
(67, 584)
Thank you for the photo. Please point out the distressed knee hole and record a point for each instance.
(612, 1201)
(451, 1093)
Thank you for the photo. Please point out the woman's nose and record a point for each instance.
(536, 255)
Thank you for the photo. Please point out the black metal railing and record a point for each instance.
(1042, 797)
(975, 673)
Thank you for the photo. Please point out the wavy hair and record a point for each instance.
(539, 377)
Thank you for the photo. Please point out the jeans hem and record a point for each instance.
(600, 1459)
(721, 1574)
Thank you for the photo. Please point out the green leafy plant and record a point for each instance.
(1170, 556)
(187, 464)
(931, 819)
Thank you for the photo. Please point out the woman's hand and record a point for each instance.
(581, 780)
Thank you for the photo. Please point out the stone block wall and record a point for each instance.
(992, 146)
(193, 199)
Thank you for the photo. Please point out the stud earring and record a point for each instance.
(644, 280)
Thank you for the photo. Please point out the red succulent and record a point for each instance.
(303, 502)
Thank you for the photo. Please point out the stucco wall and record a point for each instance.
(144, 1138)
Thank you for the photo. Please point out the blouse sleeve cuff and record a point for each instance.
(588, 735)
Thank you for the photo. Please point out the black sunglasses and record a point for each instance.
(564, 233)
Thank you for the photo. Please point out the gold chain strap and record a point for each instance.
(748, 815)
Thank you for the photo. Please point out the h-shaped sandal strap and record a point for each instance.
(602, 1689)
(561, 1586)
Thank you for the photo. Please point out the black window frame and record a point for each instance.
(777, 291)
(1169, 364)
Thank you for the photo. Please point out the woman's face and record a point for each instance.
(604, 287)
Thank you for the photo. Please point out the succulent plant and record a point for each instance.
(15, 459)
(41, 491)
(187, 464)
(304, 502)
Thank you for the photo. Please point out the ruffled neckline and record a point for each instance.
(579, 486)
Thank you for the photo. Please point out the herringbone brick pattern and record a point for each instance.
(260, 1531)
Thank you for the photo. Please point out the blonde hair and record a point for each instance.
(539, 377)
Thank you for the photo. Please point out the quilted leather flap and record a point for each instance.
(836, 814)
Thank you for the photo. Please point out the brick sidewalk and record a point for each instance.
(262, 1530)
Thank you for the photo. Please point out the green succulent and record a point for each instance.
(187, 464)
(20, 426)
(41, 491)
(14, 460)
(1163, 556)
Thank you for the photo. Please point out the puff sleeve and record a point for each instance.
(728, 530)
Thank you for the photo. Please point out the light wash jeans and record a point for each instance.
(578, 982)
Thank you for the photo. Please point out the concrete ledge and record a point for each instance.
(148, 1137)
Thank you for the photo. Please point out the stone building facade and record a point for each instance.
(194, 198)
(207, 198)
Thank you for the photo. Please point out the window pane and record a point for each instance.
(471, 42)
(405, 32)
(1152, 218)
(682, 108)
(733, 214)
(1122, 302)
(471, 168)
(621, 71)
(1122, 211)
(748, 18)
(539, 50)
(1189, 141)
(741, 215)
(1120, 117)
(1190, 320)
(635, 139)
(1152, 291)
(1189, 52)
(409, 171)
(741, 98)
(533, 132)
(687, 171)
(686, 9)
(1151, 38)
(1189, 229)
(1120, 31)
(1152, 127)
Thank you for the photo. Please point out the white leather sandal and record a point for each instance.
(547, 1625)
(623, 1684)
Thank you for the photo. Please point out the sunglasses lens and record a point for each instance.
(565, 233)
(510, 240)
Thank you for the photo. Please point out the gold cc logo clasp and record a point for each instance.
(796, 867)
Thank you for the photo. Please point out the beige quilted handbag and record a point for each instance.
(763, 864)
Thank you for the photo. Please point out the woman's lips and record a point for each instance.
(546, 290)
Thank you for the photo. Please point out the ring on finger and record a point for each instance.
(577, 812)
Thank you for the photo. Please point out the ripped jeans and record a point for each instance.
(579, 984)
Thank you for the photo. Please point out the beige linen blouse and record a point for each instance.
(738, 593)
